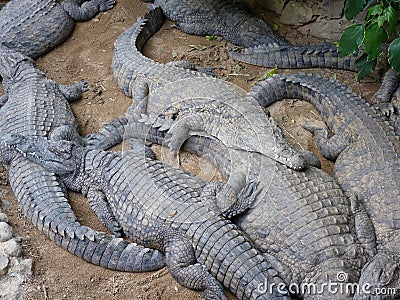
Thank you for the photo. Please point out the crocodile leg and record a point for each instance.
(225, 199)
(109, 135)
(65, 133)
(87, 10)
(139, 148)
(187, 65)
(330, 148)
(74, 92)
(179, 132)
(310, 158)
(364, 228)
(182, 265)
(98, 202)
(390, 81)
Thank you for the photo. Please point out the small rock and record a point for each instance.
(3, 217)
(6, 232)
(328, 8)
(296, 13)
(3, 264)
(13, 248)
(275, 5)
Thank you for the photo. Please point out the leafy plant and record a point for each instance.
(378, 28)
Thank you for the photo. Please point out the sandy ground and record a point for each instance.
(87, 55)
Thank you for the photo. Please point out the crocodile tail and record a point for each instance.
(43, 201)
(296, 57)
(235, 262)
(127, 58)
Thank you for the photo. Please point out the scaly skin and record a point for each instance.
(36, 27)
(36, 106)
(367, 153)
(296, 57)
(264, 47)
(165, 208)
(301, 218)
(167, 87)
(207, 17)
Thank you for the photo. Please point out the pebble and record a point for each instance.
(3, 217)
(13, 248)
(3, 264)
(6, 232)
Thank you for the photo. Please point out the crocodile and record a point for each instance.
(263, 46)
(164, 208)
(36, 27)
(36, 106)
(223, 18)
(366, 151)
(185, 94)
(302, 218)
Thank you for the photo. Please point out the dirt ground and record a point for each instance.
(87, 55)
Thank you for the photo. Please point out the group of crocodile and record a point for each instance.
(34, 105)
(278, 221)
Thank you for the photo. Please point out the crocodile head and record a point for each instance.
(10, 62)
(380, 278)
(7, 151)
(281, 150)
(55, 156)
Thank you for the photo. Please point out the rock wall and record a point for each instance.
(320, 18)
(14, 269)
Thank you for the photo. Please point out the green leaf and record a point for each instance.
(365, 66)
(270, 73)
(390, 15)
(394, 54)
(211, 37)
(373, 39)
(353, 8)
(375, 10)
(351, 40)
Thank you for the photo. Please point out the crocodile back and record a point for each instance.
(149, 199)
(34, 27)
(208, 17)
(302, 218)
(35, 107)
(369, 166)
(305, 220)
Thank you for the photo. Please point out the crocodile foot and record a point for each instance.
(314, 126)
(179, 132)
(116, 229)
(105, 5)
(386, 108)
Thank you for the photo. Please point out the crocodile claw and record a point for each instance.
(84, 85)
(91, 140)
(106, 5)
(174, 145)
(116, 229)
(386, 109)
